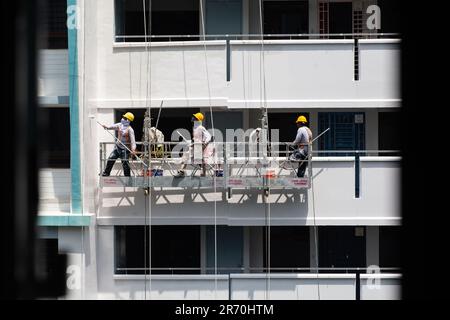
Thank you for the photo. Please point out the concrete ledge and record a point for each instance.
(176, 277)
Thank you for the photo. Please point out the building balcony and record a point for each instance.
(256, 286)
(287, 73)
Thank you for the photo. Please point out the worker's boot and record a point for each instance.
(180, 174)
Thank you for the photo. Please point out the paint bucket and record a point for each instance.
(157, 172)
(219, 173)
(269, 173)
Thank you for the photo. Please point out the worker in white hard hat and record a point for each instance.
(203, 148)
(302, 141)
(126, 137)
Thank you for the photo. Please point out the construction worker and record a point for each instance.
(302, 140)
(202, 139)
(156, 138)
(126, 137)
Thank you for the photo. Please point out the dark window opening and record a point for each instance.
(53, 17)
(390, 13)
(168, 17)
(289, 249)
(174, 249)
(229, 249)
(388, 131)
(286, 17)
(342, 247)
(55, 141)
(285, 123)
(390, 247)
(340, 17)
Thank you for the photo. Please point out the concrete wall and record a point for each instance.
(54, 190)
(53, 73)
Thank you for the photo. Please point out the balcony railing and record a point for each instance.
(299, 284)
(292, 36)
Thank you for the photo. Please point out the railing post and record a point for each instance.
(358, 284)
(357, 174)
(228, 60)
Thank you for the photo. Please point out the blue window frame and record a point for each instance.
(347, 132)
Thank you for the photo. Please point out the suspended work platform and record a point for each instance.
(230, 167)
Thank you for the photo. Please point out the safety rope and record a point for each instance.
(202, 15)
(148, 195)
(316, 245)
(263, 100)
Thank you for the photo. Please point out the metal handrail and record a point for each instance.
(258, 36)
(271, 268)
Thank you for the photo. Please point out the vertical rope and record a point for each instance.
(263, 99)
(148, 204)
(214, 144)
(316, 245)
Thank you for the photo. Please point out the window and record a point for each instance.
(55, 142)
(388, 131)
(229, 249)
(390, 247)
(223, 16)
(390, 23)
(340, 17)
(285, 17)
(285, 123)
(342, 247)
(172, 247)
(347, 132)
(54, 29)
(168, 17)
(289, 248)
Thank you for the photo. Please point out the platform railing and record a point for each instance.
(231, 165)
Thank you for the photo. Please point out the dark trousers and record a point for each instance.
(118, 153)
(301, 155)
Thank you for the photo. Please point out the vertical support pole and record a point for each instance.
(358, 284)
(228, 60)
(357, 174)
(356, 60)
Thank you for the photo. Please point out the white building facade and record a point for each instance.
(331, 61)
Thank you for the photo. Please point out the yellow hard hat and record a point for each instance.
(129, 116)
(199, 116)
(301, 119)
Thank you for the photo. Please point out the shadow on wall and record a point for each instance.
(181, 202)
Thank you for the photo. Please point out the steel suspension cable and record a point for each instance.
(202, 15)
(148, 193)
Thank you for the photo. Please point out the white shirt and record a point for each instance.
(126, 134)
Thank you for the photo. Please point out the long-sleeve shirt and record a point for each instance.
(304, 136)
(126, 136)
(201, 135)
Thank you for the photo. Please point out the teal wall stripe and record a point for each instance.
(66, 220)
(76, 205)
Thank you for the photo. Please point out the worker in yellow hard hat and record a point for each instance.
(198, 117)
(125, 143)
(302, 141)
(202, 140)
